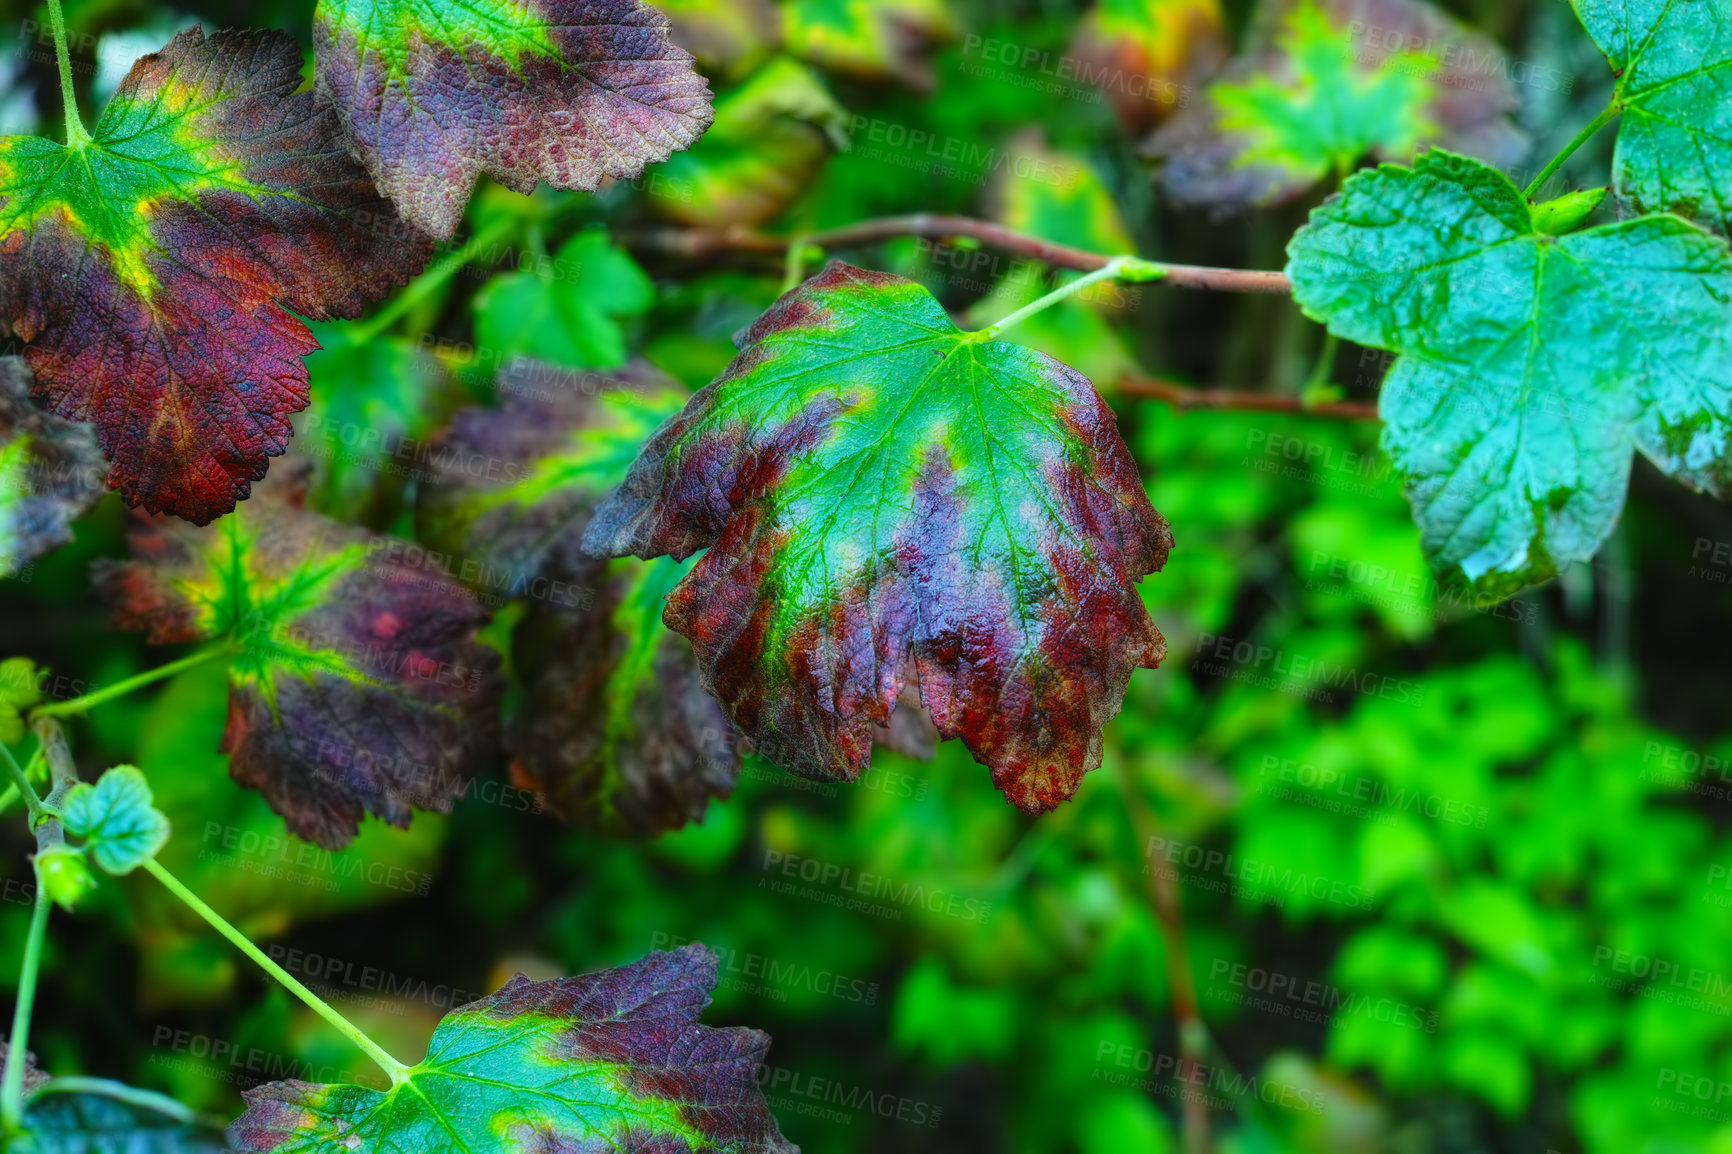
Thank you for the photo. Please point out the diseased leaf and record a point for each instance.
(871, 39)
(568, 313)
(357, 685)
(50, 472)
(516, 485)
(96, 1116)
(614, 1060)
(436, 92)
(771, 138)
(153, 272)
(1532, 365)
(883, 495)
(1674, 66)
(615, 727)
(1324, 83)
(1144, 54)
(34, 1075)
(116, 817)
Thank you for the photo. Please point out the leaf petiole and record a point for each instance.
(1606, 116)
(76, 134)
(443, 270)
(1133, 270)
(20, 786)
(97, 697)
(398, 1071)
(12, 1082)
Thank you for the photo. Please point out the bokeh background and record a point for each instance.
(1450, 877)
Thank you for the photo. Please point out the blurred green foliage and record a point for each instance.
(1455, 875)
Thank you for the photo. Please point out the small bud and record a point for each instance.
(64, 876)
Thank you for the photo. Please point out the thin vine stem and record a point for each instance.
(12, 1084)
(78, 705)
(76, 135)
(1120, 267)
(397, 1070)
(700, 243)
(1183, 397)
(1606, 116)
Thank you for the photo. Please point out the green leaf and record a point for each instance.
(569, 312)
(435, 92)
(357, 685)
(96, 1116)
(614, 1060)
(51, 472)
(771, 138)
(1059, 197)
(887, 499)
(615, 727)
(1533, 366)
(728, 38)
(1674, 66)
(20, 692)
(123, 829)
(881, 40)
(213, 203)
(1315, 92)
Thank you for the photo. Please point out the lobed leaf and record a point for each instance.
(123, 829)
(1674, 66)
(568, 313)
(1324, 83)
(614, 1060)
(50, 472)
(435, 92)
(153, 273)
(1532, 366)
(358, 684)
(887, 498)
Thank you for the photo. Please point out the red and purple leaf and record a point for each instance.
(434, 93)
(884, 496)
(612, 1061)
(50, 472)
(357, 686)
(154, 271)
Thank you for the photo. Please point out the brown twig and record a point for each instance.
(702, 243)
(1169, 912)
(1182, 397)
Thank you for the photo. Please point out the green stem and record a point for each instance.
(76, 136)
(1606, 116)
(398, 1071)
(12, 1086)
(21, 785)
(397, 307)
(1325, 364)
(1132, 269)
(121, 688)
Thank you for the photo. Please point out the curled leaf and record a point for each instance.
(116, 817)
(153, 273)
(1324, 83)
(614, 1060)
(1532, 366)
(435, 92)
(50, 472)
(358, 684)
(880, 492)
(20, 691)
